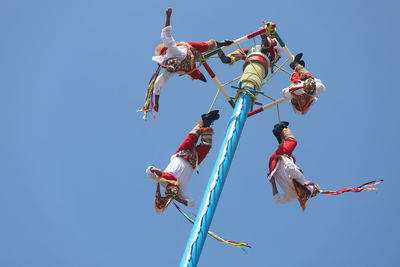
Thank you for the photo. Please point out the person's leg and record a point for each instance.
(295, 77)
(204, 46)
(202, 151)
(304, 73)
(196, 74)
(209, 45)
(191, 139)
(206, 142)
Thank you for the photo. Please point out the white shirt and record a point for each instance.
(279, 50)
(283, 173)
(182, 171)
(320, 88)
(173, 50)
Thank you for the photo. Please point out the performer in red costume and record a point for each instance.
(291, 178)
(179, 57)
(269, 48)
(304, 89)
(176, 176)
(284, 170)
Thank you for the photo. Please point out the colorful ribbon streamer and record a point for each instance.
(366, 186)
(243, 246)
(148, 104)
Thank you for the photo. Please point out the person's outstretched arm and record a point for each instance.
(168, 12)
(274, 188)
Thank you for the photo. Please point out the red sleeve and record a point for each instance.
(295, 77)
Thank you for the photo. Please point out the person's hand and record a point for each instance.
(184, 202)
(158, 172)
(168, 12)
(155, 107)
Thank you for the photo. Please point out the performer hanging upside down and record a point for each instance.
(186, 159)
(304, 89)
(179, 57)
(290, 177)
(284, 170)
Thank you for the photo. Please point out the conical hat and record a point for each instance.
(303, 194)
(158, 49)
(161, 48)
(161, 202)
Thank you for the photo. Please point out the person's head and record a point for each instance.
(171, 191)
(309, 86)
(266, 40)
(171, 64)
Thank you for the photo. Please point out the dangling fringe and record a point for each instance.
(148, 103)
(366, 186)
(243, 246)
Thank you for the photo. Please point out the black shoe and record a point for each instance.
(224, 43)
(278, 128)
(209, 118)
(202, 78)
(301, 62)
(296, 61)
(224, 58)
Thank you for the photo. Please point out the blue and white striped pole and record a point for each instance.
(217, 179)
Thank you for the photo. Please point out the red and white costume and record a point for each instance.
(300, 100)
(183, 163)
(275, 51)
(186, 54)
(283, 168)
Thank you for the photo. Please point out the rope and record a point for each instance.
(286, 72)
(270, 98)
(197, 67)
(272, 74)
(215, 98)
(252, 95)
(232, 81)
(251, 63)
(223, 85)
(197, 161)
(203, 59)
(240, 245)
(279, 116)
(200, 58)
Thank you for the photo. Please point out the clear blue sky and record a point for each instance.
(73, 150)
